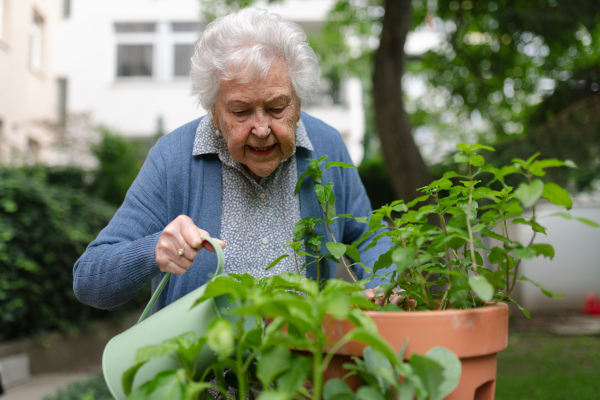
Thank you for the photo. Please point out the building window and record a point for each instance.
(181, 59)
(66, 8)
(62, 102)
(35, 42)
(134, 60)
(158, 51)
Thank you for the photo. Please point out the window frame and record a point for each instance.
(36, 42)
(164, 38)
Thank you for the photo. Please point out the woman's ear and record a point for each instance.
(215, 118)
(298, 109)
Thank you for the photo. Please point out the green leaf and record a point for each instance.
(336, 249)
(482, 287)
(471, 212)
(314, 170)
(378, 365)
(495, 235)
(148, 353)
(353, 253)
(220, 337)
(329, 207)
(339, 164)
(368, 393)
(452, 369)
(529, 194)
(533, 224)
(9, 205)
(545, 250)
(274, 263)
(523, 310)
(546, 292)
(324, 192)
(375, 222)
(587, 222)
(273, 362)
(417, 200)
(496, 255)
(362, 220)
(557, 195)
(524, 252)
(430, 373)
(304, 227)
(129, 376)
(337, 389)
(166, 385)
(294, 378)
(299, 183)
(460, 158)
(314, 243)
(404, 257)
(477, 161)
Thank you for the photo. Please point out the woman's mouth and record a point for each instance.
(261, 151)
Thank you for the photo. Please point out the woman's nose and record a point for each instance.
(261, 126)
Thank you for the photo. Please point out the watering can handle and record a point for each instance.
(165, 279)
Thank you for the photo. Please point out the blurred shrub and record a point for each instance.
(119, 163)
(93, 388)
(44, 228)
(48, 216)
(375, 177)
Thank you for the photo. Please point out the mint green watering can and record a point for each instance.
(177, 318)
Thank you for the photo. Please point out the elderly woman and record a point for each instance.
(230, 174)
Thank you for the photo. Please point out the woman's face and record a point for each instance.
(258, 120)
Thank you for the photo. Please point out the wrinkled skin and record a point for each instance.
(258, 122)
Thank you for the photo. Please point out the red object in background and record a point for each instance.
(592, 304)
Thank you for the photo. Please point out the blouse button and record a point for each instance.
(263, 196)
(265, 241)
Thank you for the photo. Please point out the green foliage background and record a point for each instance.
(48, 216)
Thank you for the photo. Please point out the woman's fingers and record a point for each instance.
(376, 295)
(179, 245)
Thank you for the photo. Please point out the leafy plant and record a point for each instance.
(44, 228)
(468, 252)
(285, 358)
(93, 388)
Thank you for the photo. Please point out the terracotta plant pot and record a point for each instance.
(475, 336)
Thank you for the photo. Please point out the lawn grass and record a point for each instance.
(547, 367)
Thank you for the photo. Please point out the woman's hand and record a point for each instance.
(179, 245)
(376, 295)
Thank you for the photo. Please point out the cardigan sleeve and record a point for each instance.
(121, 260)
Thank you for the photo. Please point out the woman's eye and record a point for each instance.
(240, 112)
(277, 110)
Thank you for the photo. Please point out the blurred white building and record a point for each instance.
(123, 64)
(28, 86)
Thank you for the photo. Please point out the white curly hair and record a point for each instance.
(245, 45)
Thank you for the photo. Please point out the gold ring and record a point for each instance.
(182, 250)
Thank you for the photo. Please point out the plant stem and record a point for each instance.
(317, 372)
(341, 258)
(469, 229)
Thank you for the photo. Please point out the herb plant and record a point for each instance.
(286, 358)
(452, 246)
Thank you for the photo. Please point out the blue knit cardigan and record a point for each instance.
(121, 260)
